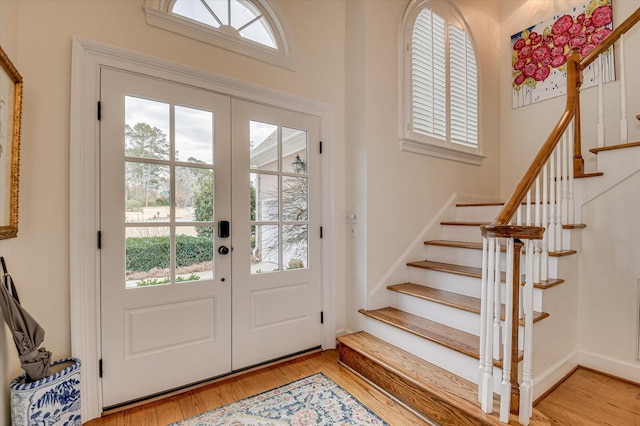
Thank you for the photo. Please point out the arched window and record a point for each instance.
(440, 79)
(248, 27)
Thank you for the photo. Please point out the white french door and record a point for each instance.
(277, 291)
(211, 257)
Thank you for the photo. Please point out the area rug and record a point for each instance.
(314, 400)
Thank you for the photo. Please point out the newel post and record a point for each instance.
(574, 82)
(515, 324)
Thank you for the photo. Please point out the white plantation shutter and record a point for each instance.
(443, 78)
(429, 75)
(463, 88)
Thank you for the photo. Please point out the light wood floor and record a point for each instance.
(194, 402)
(586, 398)
(589, 398)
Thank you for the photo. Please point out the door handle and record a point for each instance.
(223, 250)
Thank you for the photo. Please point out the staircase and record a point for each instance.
(456, 341)
(435, 316)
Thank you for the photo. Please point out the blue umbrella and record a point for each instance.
(27, 333)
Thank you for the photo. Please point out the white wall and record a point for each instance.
(37, 35)
(403, 190)
(610, 281)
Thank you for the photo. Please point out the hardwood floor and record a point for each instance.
(194, 402)
(586, 398)
(589, 398)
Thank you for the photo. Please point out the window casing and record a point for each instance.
(247, 27)
(440, 114)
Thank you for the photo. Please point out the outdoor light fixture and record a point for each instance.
(299, 166)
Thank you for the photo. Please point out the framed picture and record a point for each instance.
(10, 115)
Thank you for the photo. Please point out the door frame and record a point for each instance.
(88, 57)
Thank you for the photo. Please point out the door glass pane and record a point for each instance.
(194, 194)
(147, 256)
(294, 198)
(146, 192)
(265, 255)
(263, 140)
(194, 135)
(295, 246)
(146, 128)
(264, 197)
(194, 253)
(294, 151)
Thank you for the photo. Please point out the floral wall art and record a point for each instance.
(539, 53)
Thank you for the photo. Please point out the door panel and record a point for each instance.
(277, 291)
(166, 296)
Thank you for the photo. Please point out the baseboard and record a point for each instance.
(611, 366)
(554, 374)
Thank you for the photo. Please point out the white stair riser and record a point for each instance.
(461, 233)
(484, 213)
(473, 257)
(473, 234)
(468, 322)
(468, 286)
(448, 359)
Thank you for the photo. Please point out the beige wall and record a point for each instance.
(520, 128)
(396, 193)
(38, 36)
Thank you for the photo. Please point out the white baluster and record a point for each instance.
(497, 305)
(565, 173)
(526, 387)
(528, 207)
(544, 256)
(537, 249)
(623, 95)
(487, 376)
(483, 315)
(505, 389)
(558, 198)
(598, 66)
(570, 201)
(551, 230)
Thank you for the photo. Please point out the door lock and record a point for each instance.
(223, 250)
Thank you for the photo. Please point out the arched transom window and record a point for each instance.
(440, 79)
(249, 27)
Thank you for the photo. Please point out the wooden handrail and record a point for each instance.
(573, 84)
(633, 19)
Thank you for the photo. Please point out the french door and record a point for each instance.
(210, 235)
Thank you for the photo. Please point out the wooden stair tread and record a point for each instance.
(588, 175)
(481, 223)
(478, 246)
(455, 300)
(471, 271)
(452, 338)
(614, 147)
(437, 393)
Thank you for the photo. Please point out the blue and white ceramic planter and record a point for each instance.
(52, 400)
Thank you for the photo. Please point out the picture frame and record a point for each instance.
(10, 121)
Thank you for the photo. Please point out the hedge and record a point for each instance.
(143, 254)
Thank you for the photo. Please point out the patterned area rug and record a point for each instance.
(314, 400)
